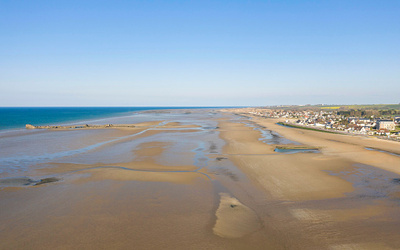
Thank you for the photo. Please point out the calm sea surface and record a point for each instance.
(23, 150)
(15, 118)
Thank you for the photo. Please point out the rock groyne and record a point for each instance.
(85, 126)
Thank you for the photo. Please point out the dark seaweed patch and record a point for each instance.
(46, 180)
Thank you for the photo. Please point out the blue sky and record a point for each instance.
(199, 53)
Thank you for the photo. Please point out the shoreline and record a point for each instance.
(85, 120)
(202, 179)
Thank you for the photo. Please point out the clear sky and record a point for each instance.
(199, 53)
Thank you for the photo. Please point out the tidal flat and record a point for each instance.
(197, 179)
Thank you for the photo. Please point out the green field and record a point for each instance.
(339, 107)
(373, 107)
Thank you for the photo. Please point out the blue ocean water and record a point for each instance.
(18, 117)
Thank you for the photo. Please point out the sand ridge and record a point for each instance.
(234, 219)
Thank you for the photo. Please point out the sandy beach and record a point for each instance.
(198, 179)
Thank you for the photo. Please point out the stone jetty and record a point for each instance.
(85, 126)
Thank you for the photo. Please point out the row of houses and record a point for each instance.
(332, 121)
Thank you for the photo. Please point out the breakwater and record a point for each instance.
(85, 126)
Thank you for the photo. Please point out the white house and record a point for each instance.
(385, 124)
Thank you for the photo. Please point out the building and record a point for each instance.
(385, 124)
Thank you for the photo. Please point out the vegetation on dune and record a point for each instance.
(365, 107)
(307, 128)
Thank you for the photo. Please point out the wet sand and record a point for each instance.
(346, 197)
(198, 180)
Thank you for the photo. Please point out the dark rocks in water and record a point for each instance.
(210, 128)
(396, 180)
(47, 180)
(221, 158)
(213, 147)
(227, 172)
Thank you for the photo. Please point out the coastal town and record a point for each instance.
(379, 123)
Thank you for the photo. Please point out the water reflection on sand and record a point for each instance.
(187, 179)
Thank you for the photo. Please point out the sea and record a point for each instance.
(18, 117)
(24, 149)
